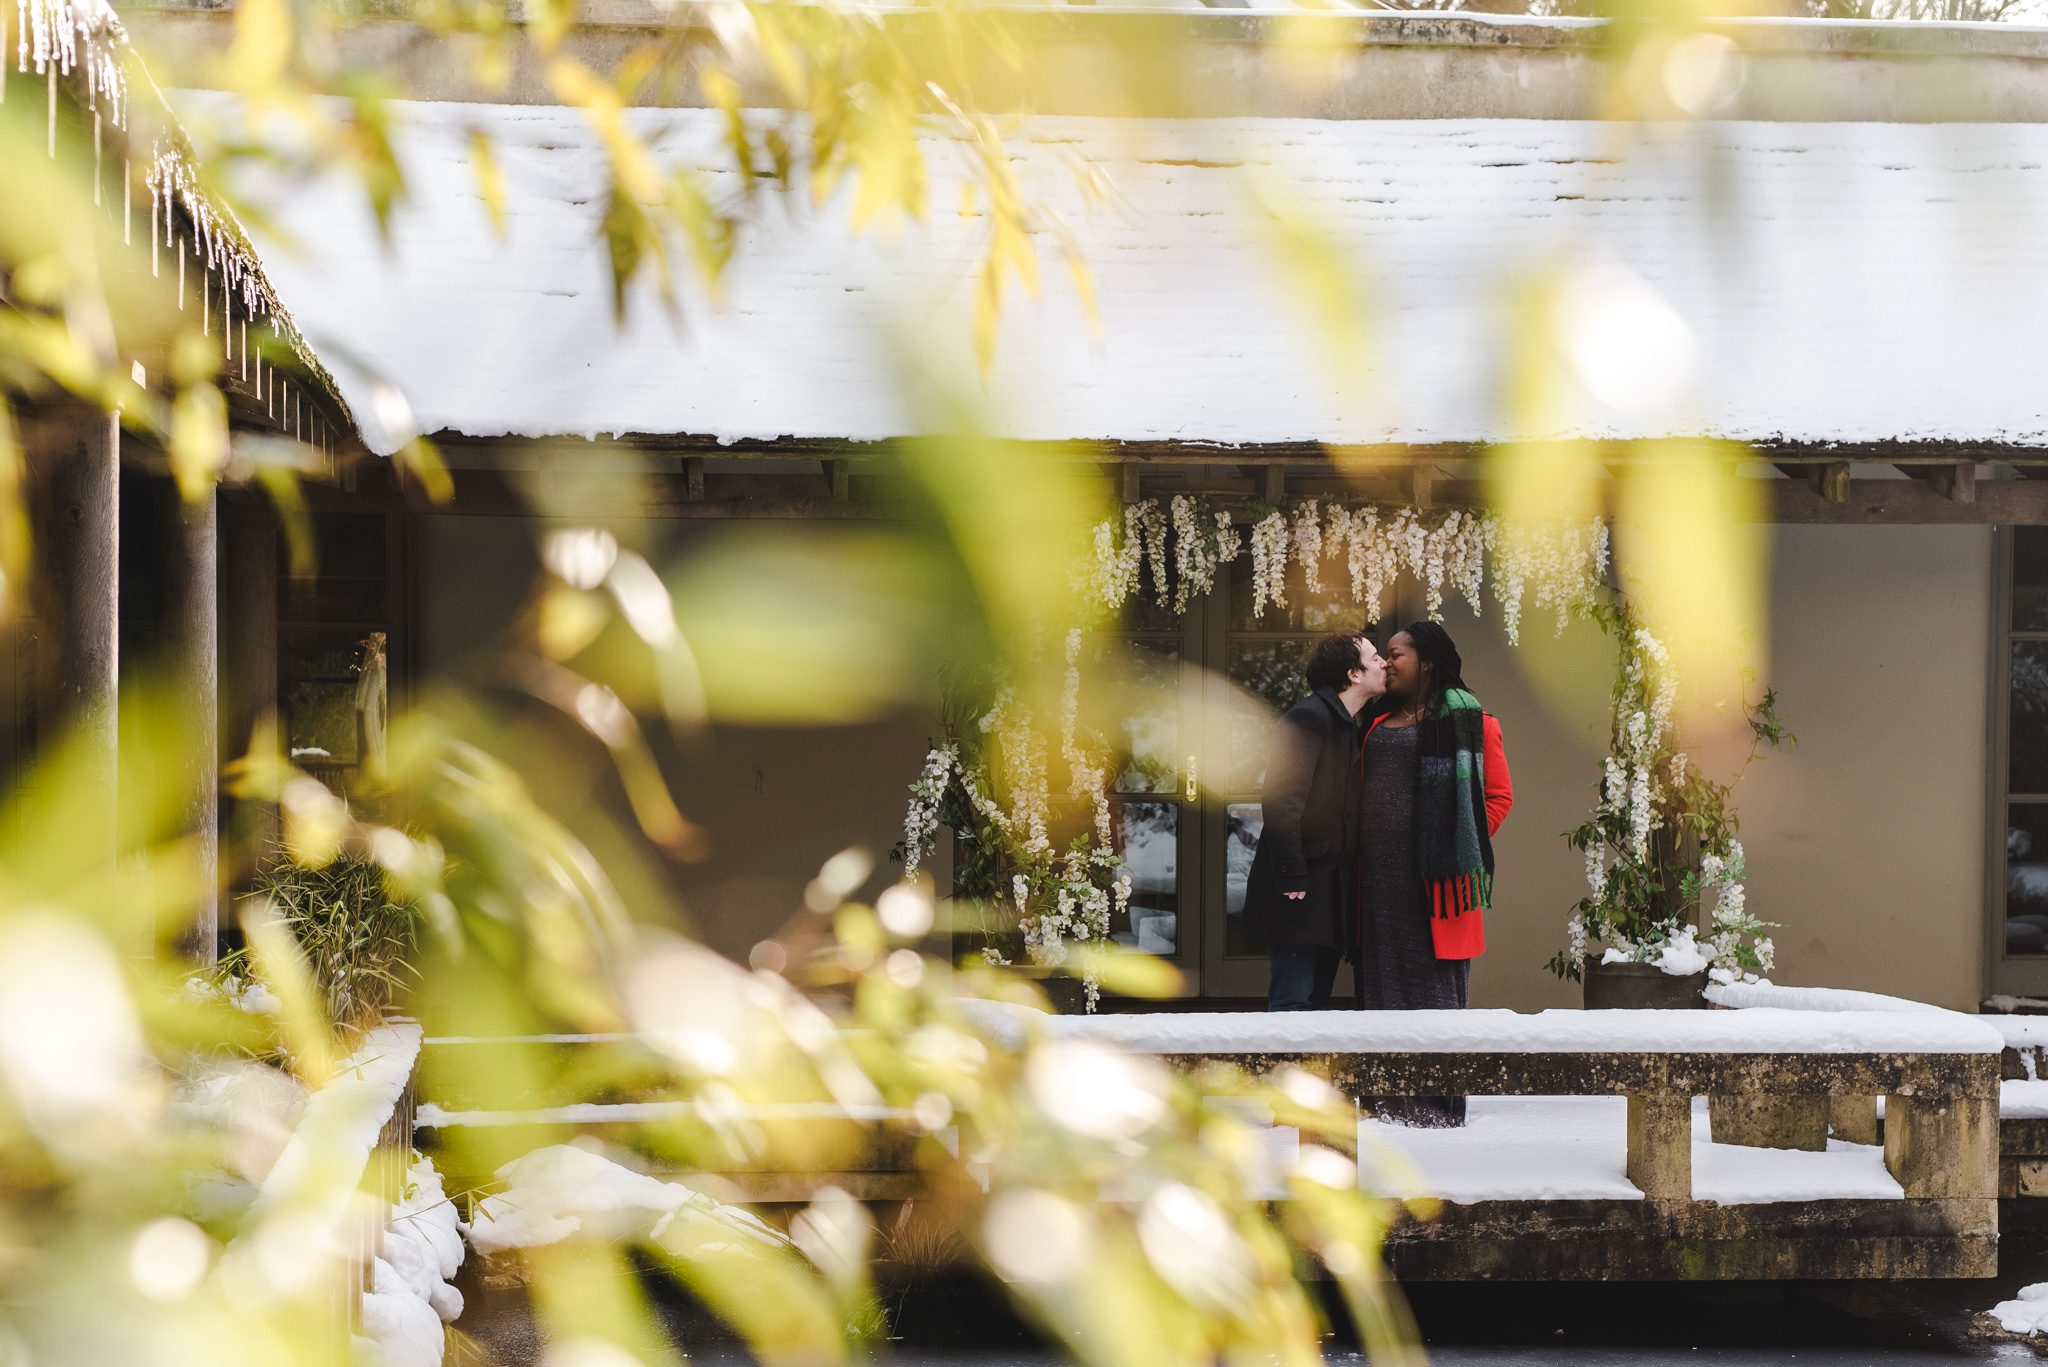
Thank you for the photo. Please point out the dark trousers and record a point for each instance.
(1300, 977)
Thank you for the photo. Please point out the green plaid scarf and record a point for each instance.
(1453, 853)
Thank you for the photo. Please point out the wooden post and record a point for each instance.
(1942, 1146)
(193, 609)
(1660, 1146)
(80, 587)
(249, 640)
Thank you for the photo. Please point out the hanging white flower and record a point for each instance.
(1308, 545)
(1194, 559)
(1155, 526)
(1269, 563)
(1229, 545)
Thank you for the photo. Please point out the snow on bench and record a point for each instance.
(1752, 1031)
(1748, 996)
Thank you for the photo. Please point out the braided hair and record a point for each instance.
(1434, 647)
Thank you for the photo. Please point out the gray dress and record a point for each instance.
(1397, 965)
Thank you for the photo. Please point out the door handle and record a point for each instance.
(1194, 789)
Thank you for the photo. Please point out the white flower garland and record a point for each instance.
(1562, 567)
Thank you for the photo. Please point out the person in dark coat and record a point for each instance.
(1300, 895)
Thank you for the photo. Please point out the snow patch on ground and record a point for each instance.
(2025, 1313)
(409, 1297)
(1547, 1148)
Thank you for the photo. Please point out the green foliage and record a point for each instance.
(1662, 834)
(358, 940)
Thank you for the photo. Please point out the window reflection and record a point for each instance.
(1151, 719)
(1275, 671)
(1148, 844)
(2028, 750)
(1241, 840)
(2026, 879)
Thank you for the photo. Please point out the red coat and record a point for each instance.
(1463, 935)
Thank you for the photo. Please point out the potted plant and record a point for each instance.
(1665, 906)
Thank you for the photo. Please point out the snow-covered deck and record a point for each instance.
(1574, 1148)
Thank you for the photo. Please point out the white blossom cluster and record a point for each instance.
(921, 821)
(1642, 779)
(1269, 562)
(1308, 545)
(1194, 557)
(1178, 548)
(1730, 921)
(1062, 897)
(1562, 566)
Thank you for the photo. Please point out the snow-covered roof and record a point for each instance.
(1798, 282)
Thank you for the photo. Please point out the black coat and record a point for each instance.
(1309, 842)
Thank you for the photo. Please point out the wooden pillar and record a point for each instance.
(80, 606)
(193, 609)
(1660, 1146)
(248, 601)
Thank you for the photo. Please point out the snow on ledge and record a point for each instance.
(1747, 996)
(1762, 1030)
(341, 1123)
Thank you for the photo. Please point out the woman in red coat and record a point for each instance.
(1435, 790)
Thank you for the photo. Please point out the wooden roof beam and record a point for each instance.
(1829, 481)
(1957, 482)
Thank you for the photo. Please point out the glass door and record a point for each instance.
(1154, 810)
(1265, 655)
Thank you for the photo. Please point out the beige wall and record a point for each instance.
(1866, 842)
(773, 803)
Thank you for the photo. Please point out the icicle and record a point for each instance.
(245, 349)
(154, 272)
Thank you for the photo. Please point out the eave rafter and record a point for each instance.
(1820, 484)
